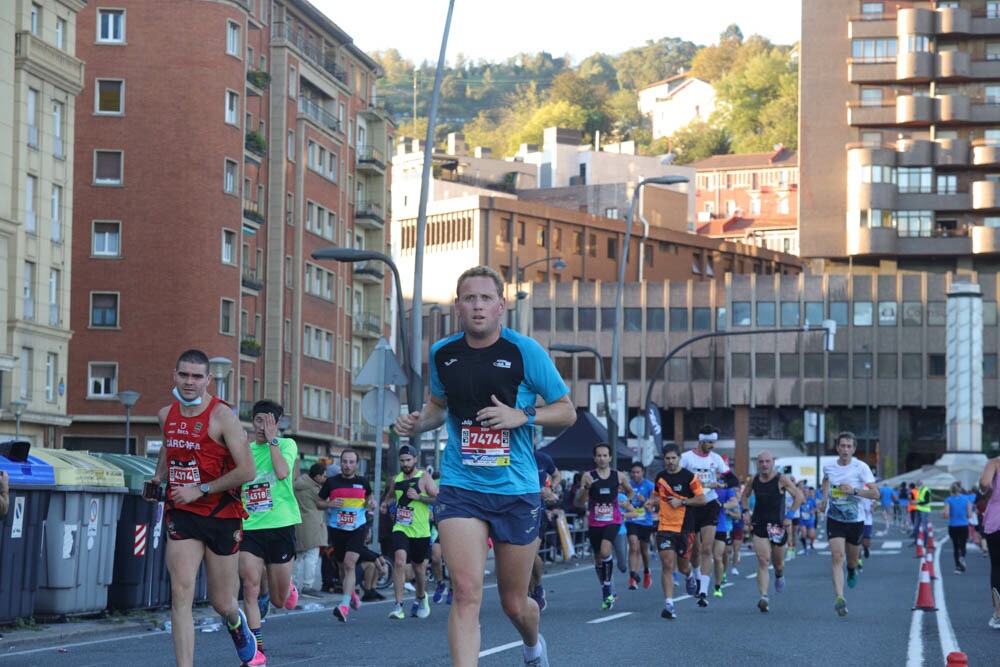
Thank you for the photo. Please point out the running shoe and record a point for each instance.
(633, 585)
(691, 585)
(647, 579)
(440, 591)
(422, 607)
(861, 564)
(397, 612)
(852, 578)
(668, 610)
(779, 584)
(539, 597)
(735, 572)
(293, 596)
(994, 622)
(702, 600)
(259, 660)
(355, 601)
(543, 659)
(340, 613)
(762, 604)
(246, 644)
(450, 593)
(718, 592)
(725, 578)
(608, 603)
(372, 596)
(410, 587)
(840, 606)
(264, 604)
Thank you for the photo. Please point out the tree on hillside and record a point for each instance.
(697, 141)
(641, 66)
(756, 102)
(715, 61)
(599, 69)
(623, 114)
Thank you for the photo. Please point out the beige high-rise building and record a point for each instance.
(904, 173)
(39, 80)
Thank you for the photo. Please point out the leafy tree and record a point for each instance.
(551, 114)
(699, 140)
(599, 69)
(641, 66)
(767, 81)
(623, 113)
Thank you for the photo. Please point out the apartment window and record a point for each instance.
(61, 34)
(754, 207)
(936, 365)
(108, 167)
(740, 365)
(789, 364)
(914, 223)
(587, 319)
(871, 7)
(913, 313)
(633, 319)
(32, 113)
(110, 26)
(863, 315)
(228, 246)
(540, 237)
(887, 313)
(28, 290)
(701, 319)
(990, 313)
(742, 315)
(30, 188)
(564, 319)
(992, 10)
(56, 213)
(57, 129)
(917, 44)
(592, 245)
(678, 319)
(887, 363)
(26, 371)
(937, 313)
(36, 18)
(611, 213)
(607, 319)
(291, 144)
(110, 96)
(229, 177)
(838, 312)
(51, 369)
(912, 367)
(102, 380)
(232, 107)
(991, 94)
(862, 366)
(233, 42)
(838, 365)
(789, 314)
(764, 365)
(288, 272)
(873, 50)
(765, 314)
(914, 180)
(106, 239)
(993, 50)
(612, 248)
(53, 297)
(812, 365)
(989, 365)
(226, 323)
(104, 309)
(293, 83)
(541, 319)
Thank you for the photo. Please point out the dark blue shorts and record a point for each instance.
(512, 519)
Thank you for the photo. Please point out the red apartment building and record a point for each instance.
(220, 143)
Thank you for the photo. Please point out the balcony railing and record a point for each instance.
(370, 155)
(282, 32)
(319, 114)
(367, 323)
(250, 347)
(251, 211)
(371, 269)
(258, 79)
(255, 143)
(369, 210)
(251, 280)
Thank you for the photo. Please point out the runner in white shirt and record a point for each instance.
(845, 482)
(713, 472)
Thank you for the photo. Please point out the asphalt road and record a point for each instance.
(801, 629)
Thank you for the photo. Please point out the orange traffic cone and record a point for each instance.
(930, 535)
(957, 659)
(929, 564)
(925, 596)
(920, 544)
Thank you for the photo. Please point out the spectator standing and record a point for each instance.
(310, 535)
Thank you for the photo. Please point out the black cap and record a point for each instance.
(408, 450)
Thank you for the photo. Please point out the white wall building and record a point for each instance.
(675, 102)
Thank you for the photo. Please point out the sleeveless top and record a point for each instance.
(769, 503)
(603, 509)
(412, 516)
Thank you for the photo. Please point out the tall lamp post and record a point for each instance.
(219, 368)
(622, 263)
(18, 408)
(519, 296)
(868, 405)
(128, 398)
(611, 421)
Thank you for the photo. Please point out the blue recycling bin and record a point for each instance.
(31, 484)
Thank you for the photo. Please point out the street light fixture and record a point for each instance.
(612, 423)
(128, 398)
(622, 263)
(18, 408)
(414, 387)
(558, 265)
(219, 368)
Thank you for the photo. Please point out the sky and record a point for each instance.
(494, 31)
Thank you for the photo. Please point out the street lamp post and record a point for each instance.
(868, 405)
(18, 407)
(520, 296)
(622, 263)
(219, 368)
(612, 423)
(128, 398)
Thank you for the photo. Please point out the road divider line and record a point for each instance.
(500, 649)
(946, 633)
(613, 617)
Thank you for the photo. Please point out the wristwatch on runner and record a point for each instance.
(273, 442)
(529, 411)
(204, 489)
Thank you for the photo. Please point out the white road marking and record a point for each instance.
(915, 649)
(946, 633)
(613, 617)
(500, 649)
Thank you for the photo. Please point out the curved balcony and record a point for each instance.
(953, 109)
(985, 69)
(985, 195)
(914, 110)
(985, 152)
(951, 152)
(953, 21)
(863, 155)
(860, 71)
(954, 65)
(915, 67)
(986, 111)
(985, 239)
(914, 152)
(866, 114)
(984, 25)
(871, 241)
(864, 196)
(914, 21)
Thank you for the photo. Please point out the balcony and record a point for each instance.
(985, 153)
(914, 152)
(914, 66)
(871, 241)
(866, 114)
(367, 325)
(863, 71)
(250, 347)
(369, 214)
(986, 110)
(864, 196)
(371, 158)
(251, 211)
(48, 63)
(953, 21)
(985, 195)
(368, 272)
(953, 109)
(985, 239)
(914, 21)
(951, 152)
(255, 143)
(985, 69)
(259, 81)
(863, 26)
(251, 279)
(320, 115)
(914, 110)
(954, 65)
(986, 23)
(283, 33)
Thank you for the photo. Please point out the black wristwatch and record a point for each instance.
(274, 442)
(529, 411)
(204, 489)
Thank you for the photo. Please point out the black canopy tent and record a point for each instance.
(573, 449)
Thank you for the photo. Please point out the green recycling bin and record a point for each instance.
(80, 534)
(21, 531)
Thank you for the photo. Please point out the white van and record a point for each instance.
(802, 468)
